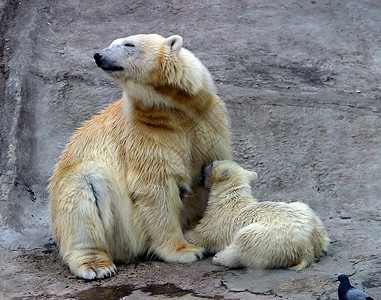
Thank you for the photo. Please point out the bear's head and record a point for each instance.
(154, 61)
(227, 174)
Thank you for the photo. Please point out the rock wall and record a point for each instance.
(301, 82)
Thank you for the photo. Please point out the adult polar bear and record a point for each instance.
(114, 195)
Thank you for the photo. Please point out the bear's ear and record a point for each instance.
(252, 176)
(174, 43)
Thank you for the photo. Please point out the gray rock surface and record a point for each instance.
(301, 80)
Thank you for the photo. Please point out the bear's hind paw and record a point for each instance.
(94, 269)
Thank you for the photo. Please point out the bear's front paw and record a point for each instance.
(183, 252)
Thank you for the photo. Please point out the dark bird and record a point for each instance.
(348, 292)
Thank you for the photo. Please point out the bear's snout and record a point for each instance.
(97, 57)
(106, 63)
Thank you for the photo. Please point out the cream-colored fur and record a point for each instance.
(114, 195)
(247, 233)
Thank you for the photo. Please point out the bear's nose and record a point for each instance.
(97, 57)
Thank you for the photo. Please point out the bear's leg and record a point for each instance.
(163, 221)
(81, 220)
(172, 247)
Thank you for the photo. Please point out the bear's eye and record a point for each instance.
(128, 45)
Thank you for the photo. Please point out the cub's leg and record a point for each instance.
(251, 246)
(229, 257)
(305, 262)
(320, 239)
(204, 235)
(82, 219)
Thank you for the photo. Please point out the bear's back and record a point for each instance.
(99, 137)
(281, 212)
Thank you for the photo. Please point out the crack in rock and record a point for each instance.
(237, 290)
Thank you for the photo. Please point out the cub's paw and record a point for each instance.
(183, 253)
(226, 259)
(216, 261)
(93, 267)
(302, 265)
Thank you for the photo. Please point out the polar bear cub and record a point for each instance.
(247, 233)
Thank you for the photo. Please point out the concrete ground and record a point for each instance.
(301, 80)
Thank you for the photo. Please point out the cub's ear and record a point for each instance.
(174, 43)
(225, 175)
(252, 176)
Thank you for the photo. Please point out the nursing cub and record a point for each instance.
(247, 233)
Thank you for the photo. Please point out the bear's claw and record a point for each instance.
(95, 270)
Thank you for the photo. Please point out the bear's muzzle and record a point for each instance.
(106, 64)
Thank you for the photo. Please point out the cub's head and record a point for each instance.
(151, 59)
(227, 174)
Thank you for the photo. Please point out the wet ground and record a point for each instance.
(301, 80)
